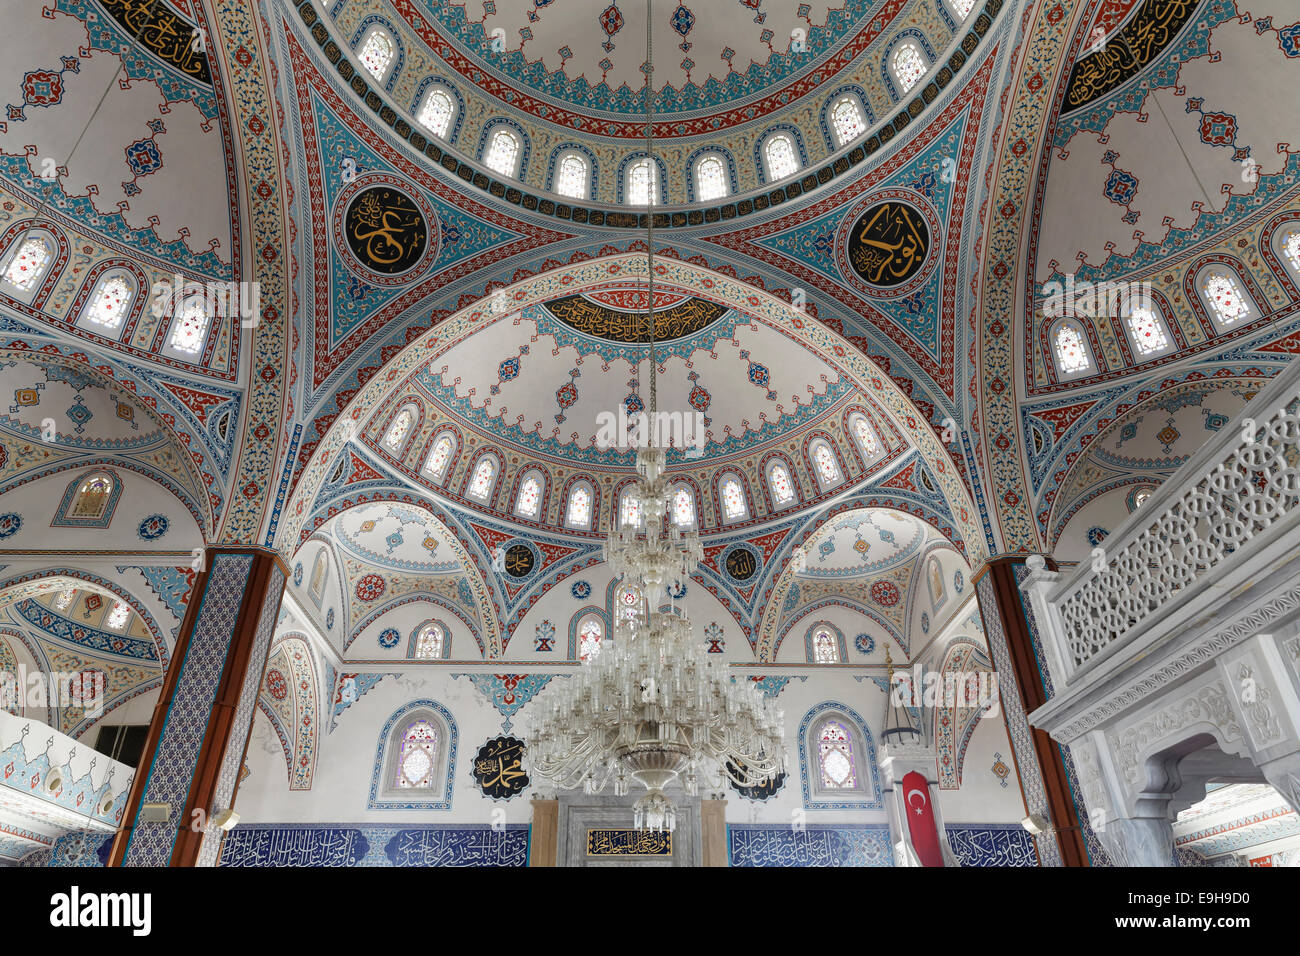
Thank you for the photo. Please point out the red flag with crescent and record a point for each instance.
(920, 819)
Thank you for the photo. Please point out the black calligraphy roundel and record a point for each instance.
(498, 768)
(759, 792)
(388, 233)
(742, 561)
(519, 560)
(886, 243)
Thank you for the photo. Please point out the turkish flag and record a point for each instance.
(920, 819)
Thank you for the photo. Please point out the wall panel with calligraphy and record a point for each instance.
(321, 846)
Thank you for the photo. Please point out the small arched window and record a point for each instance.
(110, 300)
(118, 617)
(28, 263)
(778, 479)
(710, 178)
(1146, 331)
(417, 756)
(377, 53)
(578, 514)
(826, 648)
(1291, 250)
(92, 497)
(437, 112)
(319, 573)
(847, 120)
(590, 632)
(629, 510)
(399, 429)
(733, 499)
(961, 8)
(835, 758)
(485, 471)
(503, 152)
(529, 502)
(866, 437)
(190, 326)
(683, 508)
(572, 174)
(439, 458)
(828, 469)
(642, 183)
(780, 156)
(1071, 347)
(429, 643)
(1224, 297)
(908, 65)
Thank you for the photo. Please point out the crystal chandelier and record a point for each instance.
(651, 706)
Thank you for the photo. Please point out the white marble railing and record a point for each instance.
(1226, 516)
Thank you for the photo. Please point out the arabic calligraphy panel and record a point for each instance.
(887, 242)
(631, 327)
(629, 843)
(384, 229)
(1109, 64)
(498, 768)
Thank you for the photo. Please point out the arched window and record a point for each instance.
(1146, 331)
(1071, 347)
(780, 156)
(962, 8)
(683, 508)
(835, 758)
(377, 53)
(733, 499)
(439, 458)
(429, 643)
(908, 65)
(190, 326)
(92, 497)
(629, 510)
(1224, 297)
(826, 648)
(28, 263)
(417, 757)
(1140, 498)
(590, 633)
(710, 178)
(778, 479)
(934, 579)
(399, 429)
(437, 112)
(529, 502)
(319, 573)
(847, 120)
(1291, 250)
(110, 300)
(642, 183)
(828, 469)
(866, 437)
(503, 151)
(578, 514)
(572, 174)
(480, 485)
(118, 617)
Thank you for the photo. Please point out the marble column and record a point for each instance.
(194, 753)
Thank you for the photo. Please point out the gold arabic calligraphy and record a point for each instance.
(1124, 54)
(888, 244)
(685, 318)
(385, 230)
(498, 767)
(629, 843)
(166, 35)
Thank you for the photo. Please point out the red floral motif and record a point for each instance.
(1218, 129)
(42, 88)
(885, 593)
(276, 685)
(370, 588)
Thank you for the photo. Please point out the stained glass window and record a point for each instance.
(398, 430)
(710, 178)
(1291, 249)
(91, 500)
(1146, 331)
(418, 756)
(319, 571)
(29, 263)
(571, 177)
(683, 507)
(782, 160)
(109, 301)
(828, 470)
(436, 113)
(436, 466)
(846, 120)
(482, 482)
(909, 66)
(866, 437)
(589, 635)
(835, 756)
(117, 617)
(962, 8)
(630, 510)
(64, 599)
(1071, 353)
(642, 183)
(579, 515)
(733, 500)
(530, 497)
(1225, 297)
(428, 642)
(778, 476)
(377, 53)
(825, 648)
(502, 153)
(190, 325)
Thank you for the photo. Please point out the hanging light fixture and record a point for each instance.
(651, 706)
